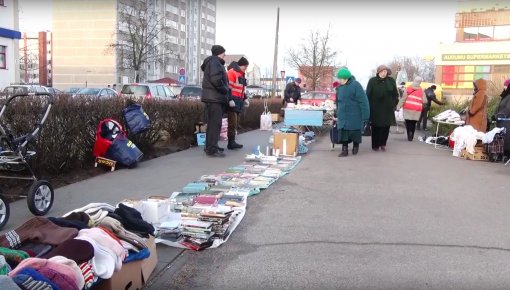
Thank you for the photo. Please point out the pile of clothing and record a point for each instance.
(449, 116)
(74, 251)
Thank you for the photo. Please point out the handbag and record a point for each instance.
(266, 120)
(367, 130)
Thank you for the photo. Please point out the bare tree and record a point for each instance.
(413, 67)
(314, 58)
(141, 37)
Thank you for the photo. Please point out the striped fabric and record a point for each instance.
(88, 274)
(31, 284)
(13, 239)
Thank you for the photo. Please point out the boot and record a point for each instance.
(409, 135)
(355, 149)
(345, 151)
(232, 145)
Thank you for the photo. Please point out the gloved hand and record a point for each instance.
(291, 100)
(246, 103)
(231, 103)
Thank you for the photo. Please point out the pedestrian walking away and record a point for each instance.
(238, 100)
(292, 92)
(430, 96)
(412, 102)
(383, 97)
(353, 111)
(215, 93)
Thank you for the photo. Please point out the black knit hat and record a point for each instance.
(217, 49)
(243, 61)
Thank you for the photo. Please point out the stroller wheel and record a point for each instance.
(40, 197)
(5, 211)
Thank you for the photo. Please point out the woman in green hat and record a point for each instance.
(352, 111)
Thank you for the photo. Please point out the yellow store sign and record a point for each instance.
(477, 56)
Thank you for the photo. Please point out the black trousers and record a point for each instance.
(423, 117)
(411, 127)
(214, 112)
(233, 123)
(379, 136)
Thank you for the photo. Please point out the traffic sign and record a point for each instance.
(289, 79)
(182, 79)
(182, 71)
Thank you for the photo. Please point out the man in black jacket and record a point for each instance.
(431, 97)
(215, 93)
(292, 92)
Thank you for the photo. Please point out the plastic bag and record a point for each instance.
(137, 121)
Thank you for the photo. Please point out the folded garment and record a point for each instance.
(64, 222)
(35, 249)
(135, 256)
(132, 220)
(36, 276)
(37, 229)
(13, 257)
(77, 250)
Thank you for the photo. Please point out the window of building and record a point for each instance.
(485, 33)
(462, 77)
(502, 32)
(211, 6)
(3, 54)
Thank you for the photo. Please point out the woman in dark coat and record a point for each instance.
(382, 95)
(352, 111)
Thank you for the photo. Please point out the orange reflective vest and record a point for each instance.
(414, 99)
(236, 83)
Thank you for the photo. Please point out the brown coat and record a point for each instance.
(477, 111)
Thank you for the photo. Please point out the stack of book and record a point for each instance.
(197, 234)
(220, 220)
(169, 231)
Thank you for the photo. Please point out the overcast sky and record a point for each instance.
(365, 33)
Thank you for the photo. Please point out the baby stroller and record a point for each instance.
(14, 158)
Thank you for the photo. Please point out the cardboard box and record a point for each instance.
(290, 140)
(133, 275)
(479, 155)
(275, 117)
(155, 209)
(200, 139)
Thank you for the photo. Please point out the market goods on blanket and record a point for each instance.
(205, 200)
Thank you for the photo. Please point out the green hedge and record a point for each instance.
(68, 136)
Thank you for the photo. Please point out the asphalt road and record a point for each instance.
(413, 217)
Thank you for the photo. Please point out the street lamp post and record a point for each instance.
(282, 73)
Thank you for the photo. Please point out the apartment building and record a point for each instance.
(91, 47)
(9, 46)
(481, 49)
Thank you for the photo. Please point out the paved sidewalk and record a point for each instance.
(160, 176)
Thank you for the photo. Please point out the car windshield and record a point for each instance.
(137, 90)
(315, 96)
(191, 91)
(88, 91)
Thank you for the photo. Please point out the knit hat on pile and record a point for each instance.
(36, 276)
(132, 220)
(116, 227)
(506, 83)
(13, 257)
(29, 283)
(38, 229)
(217, 49)
(243, 61)
(79, 251)
(63, 275)
(78, 276)
(344, 73)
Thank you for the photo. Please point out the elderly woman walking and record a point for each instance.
(352, 111)
(412, 101)
(382, 95)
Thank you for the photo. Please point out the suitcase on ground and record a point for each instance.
(333, 135)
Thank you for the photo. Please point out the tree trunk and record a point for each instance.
(137, 76)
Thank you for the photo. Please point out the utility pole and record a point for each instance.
(275, 60)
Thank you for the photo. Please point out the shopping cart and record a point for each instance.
(15, 157)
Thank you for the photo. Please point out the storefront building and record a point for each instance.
(481, 50)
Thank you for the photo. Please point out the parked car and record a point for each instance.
(55, 91)
(191, 92)
(97, 92)
(147, 91)
(25, 89)
(318, 98)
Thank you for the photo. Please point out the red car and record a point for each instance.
(317, 98)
